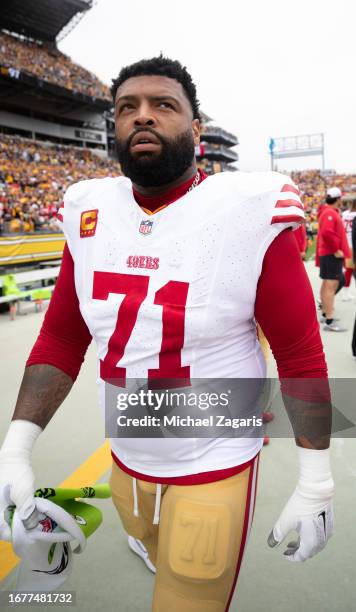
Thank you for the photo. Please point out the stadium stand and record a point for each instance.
(44, 95)
(45, 20)
(34, 176)
(313, 185)
(49, 65)
(216, 153)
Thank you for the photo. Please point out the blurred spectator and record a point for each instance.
(49, 64)
(332, 249)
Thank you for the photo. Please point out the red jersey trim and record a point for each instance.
(287, 219)
(287, 203)
(291, 188)
(190, 479)
(245, 533)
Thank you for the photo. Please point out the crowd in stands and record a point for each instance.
(313, 185)
(34, 176)
(49, 64)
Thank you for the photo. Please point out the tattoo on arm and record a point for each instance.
(311, 422)
(43, 389)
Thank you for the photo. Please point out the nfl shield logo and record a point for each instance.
(146, 227)
(47, 524)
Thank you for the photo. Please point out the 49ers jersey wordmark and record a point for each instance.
(172, 295)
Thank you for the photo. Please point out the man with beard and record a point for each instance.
(169, 270)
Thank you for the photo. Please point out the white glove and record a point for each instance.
(17, 481)
(46, 556)
(309, 511)
(56, 525)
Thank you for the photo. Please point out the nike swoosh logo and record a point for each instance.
(323, 515)
(62, 564)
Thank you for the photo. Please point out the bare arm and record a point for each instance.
(50, 372)
(43, 389)
(285, 310)
(57, 355)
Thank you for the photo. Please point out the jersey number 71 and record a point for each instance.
(172, 297)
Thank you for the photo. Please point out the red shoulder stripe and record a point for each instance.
(287, 203)
(290, 188)
(287, 219)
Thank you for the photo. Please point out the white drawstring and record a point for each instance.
(134, 488)
(157, 504)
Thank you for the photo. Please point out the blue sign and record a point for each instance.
(272, 144)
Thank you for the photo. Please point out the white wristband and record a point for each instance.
(21, 436)
(16, 476)
(315, 476)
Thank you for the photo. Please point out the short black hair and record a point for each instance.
(330, 200)
(160, 66)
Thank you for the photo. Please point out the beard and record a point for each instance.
(152, 170)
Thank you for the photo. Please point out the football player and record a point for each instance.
(168, 270)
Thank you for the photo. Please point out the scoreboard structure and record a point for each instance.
(297, 146)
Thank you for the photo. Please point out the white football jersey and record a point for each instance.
(348, 217)
(204, 254)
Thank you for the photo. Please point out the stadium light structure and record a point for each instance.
(297, 146)
(42, 20)
(74, 21)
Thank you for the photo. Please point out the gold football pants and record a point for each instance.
(198, 546)
(263, 342)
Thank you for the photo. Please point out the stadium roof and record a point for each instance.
(40, 19)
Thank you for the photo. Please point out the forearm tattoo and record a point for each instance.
(43, 389)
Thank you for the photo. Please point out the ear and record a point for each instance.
(196, 131)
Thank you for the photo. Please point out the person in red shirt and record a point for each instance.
(332, 248)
